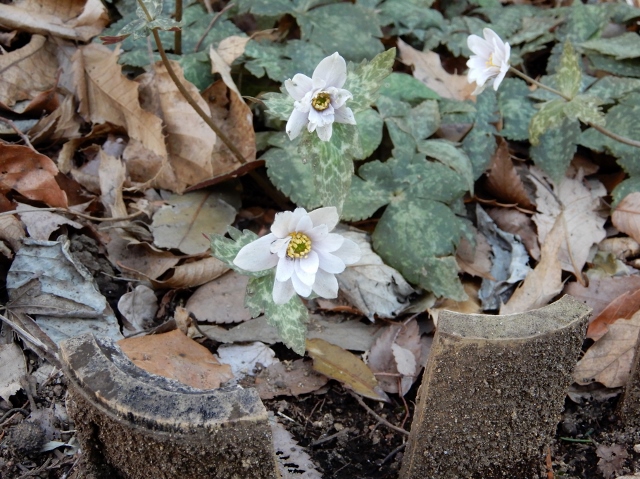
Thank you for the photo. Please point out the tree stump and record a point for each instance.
(492, 393)
(136, 425)
(629, 405)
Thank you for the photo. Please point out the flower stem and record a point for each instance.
(177, 38)
(601, 129)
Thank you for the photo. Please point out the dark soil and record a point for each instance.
(344, 440)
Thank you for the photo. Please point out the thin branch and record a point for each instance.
(71, 212)
(377, 416)
(24, 137)
(211, 24)
(177, 37)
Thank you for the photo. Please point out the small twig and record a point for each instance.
(71, 212)
(317, 442)
(582, 441)
(211, 24)
(24, 137)
(377, 416)
(12, 411)
(177, 37)
(393, 453)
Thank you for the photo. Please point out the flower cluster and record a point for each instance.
(490, 59)
(320, 100)
(304, 252)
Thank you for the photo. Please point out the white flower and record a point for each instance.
(306, 255)
(491, 59)
(320, 100)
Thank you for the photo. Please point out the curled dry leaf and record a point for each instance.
(244, 359)
(395, 357)
(139, 260)
(27, 71)
(428, 69)
(608, 360)
(13, 368)
(190, 141)
(623, 307)
(70, 19)
(503, 180)
(40, 224)
(341, 365)
(63, 123)
(175, 356)
(517, 223)
(626, 216)
(112, 174)
(11, 231)
(30, 174)
(139, 307)
(475, 261)
(194, 274)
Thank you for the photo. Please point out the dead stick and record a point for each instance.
(377, 416)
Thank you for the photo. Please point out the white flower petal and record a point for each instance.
(493, 39)
(349, 252)
(499, 78)
(303, 276)
(330, 243)
(280, 246)
(325, 132)
(339, 96)
(298, 86)
(326, 285)
(321, 118)
(280, 226)
(283, 291)
(297, 214)
(302, 289)
(304, 224)
(331, 263)
(317, 233)
(310, 263)
(479, 46)
(333, 70)
(325, 216)
(284, 269)
(296, 123)
(257, 256)
(345, 115)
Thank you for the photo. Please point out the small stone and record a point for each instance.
(26, 439)
(338, 427)
(636, 448)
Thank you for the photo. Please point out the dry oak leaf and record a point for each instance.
(573, 207)
(626, 216)
(288, 379)
(612, 459)
(193, 274)
(623, 307)
(63, 123)
(609, 360)
(30, 174)
(112, 172)
(28, 71)
(428, 69)
(11, 231)
(517, 223)
(601, 292)
(139, 260)
(475, 260)
(341, 365)
(175, 356)
(107, 96)
(190, 141)
(139, 308)
(78, 20)
(40, 224)
(503, 180)
(220, 301)
(545, 281)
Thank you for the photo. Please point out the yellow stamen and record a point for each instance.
(490, 62)
(321, 101)
(299, 246)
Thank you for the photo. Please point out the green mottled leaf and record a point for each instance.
(424, 119)
(480, 142)
(279, 105)
(197, 69)
(412, 14)
(390, 107)
(134, 25)
(550, 115)
(404, 143)
(290, 173)
(289, 319)
(369, 126)
(621, 47)
(365, 79)
(611, 88)
(585, 108)
(569, 74)
(347, 28)
(628, 68)
(401, 86)
(265, 58)
(516, 109)
(153, 7)
(332, 173)
(269, 8)
(533, 28)
(226, 249)
(164, 24)
(411, 234)
(448, 154)
(630, 185)
(621, 119)
(556, 148)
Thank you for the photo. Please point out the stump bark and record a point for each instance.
(492, 393)
(136, 425)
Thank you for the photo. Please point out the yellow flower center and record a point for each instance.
(490, 62)
(321, 101)
(299, 246)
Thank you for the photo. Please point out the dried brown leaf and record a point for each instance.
(475, 261)
(545, 281)
(623, 307)
(601, 292)
(428, 69)
(70, 19)
(608, 360)
(40, 224)
(31, 174)
(62, 123)
(11, 231)
(112, 174)
(139, 260)
(517, 223)
(503, 180)
(27, 71)
(626, 216)
(175, 356)
(289, 379)
(341, 365)
(220, 301)
(139, 307)
(194, 274)
(612, 459)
